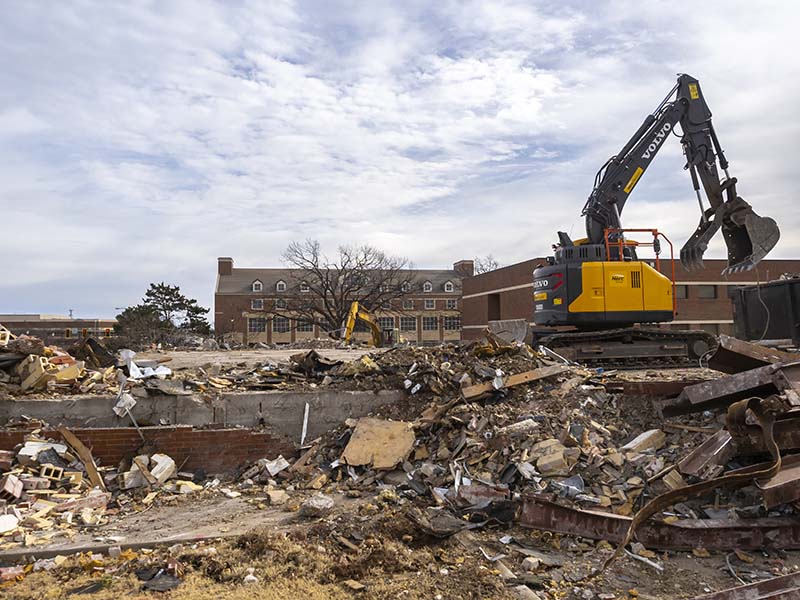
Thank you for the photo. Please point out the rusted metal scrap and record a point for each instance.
(538, 512)
(664, 388)
(748, 438)
(785, 587)
(765, 412)
(707, 460)
(735, 356)
(720, 393)
(781, 488)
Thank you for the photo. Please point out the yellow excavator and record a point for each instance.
(598, 286)
(359, 313)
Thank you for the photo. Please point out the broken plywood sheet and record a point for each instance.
(378, 443)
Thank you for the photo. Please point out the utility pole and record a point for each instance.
(70, 312)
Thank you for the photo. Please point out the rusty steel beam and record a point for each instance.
(735, 356)
(785, 587)
(714, 534)
(749, 440)
(664, 388)
(721, 393)
(707, 459)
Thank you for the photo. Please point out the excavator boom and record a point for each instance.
(748, 236)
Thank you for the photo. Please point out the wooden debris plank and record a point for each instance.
(85, 455)
(476, 391)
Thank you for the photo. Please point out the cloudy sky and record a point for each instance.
(141, 140)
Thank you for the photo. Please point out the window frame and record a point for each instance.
(449, 287)
(257, 286)
(261, 320)
(280, 286)
(449, 321)
(427, 287)
(304, 287)
(405, 287)
(279, 319)
(382, 323)
(700, 289)
(430, 304)
(408, 304)
(452, 304)
(303, 326)
(404, 322)
(429, 320)
(256, 304)
(281, 304)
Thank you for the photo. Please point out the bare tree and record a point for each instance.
(485, 264)
(321, 289)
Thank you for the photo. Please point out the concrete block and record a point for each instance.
(647, 441)
(35, 483)
(10, 488)
(162, 467)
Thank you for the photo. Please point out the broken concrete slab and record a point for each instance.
(379, 444)
(646, 441)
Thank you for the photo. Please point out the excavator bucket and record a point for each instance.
(749, 237)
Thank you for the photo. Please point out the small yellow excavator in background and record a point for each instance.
(359, 313)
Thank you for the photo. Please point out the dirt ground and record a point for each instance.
(182, 359)
(295, 557)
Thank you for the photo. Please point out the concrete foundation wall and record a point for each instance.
(280, 410)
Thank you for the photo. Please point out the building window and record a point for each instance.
(304, 326)
(427, 287)
(405, 287)
(430, 323)
(449, 287)
(68, 333)
(280, 286)
(452, 323)
(386, 305)
(280, 325)
(386, 323)
(256, 304)
(256, 325)
(408, 323)
(408, 305)
(304, 287)
(280, 303)
(452, 304)
(257, 286)
(707, 292)
(681, 292)
(430, 304)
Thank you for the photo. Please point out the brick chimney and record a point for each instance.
(225, 265)
(465, 268)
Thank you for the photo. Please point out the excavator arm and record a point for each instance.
(358, 313)
(748, 237)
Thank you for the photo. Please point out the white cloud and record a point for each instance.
(144, 141)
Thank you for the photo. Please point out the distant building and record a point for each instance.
(57, 329)
(701, 296)
(250, 306)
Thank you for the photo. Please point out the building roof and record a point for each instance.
(240, 280)
(11, 318)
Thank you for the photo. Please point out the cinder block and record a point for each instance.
(10, 488)
(51, 472)
(35, 483)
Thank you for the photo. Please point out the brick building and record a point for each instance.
(701, 296)
(246, 302)
(57, 329)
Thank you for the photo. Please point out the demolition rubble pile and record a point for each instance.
(28, 366)
(51, 488)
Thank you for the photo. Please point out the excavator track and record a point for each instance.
(632, 347)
